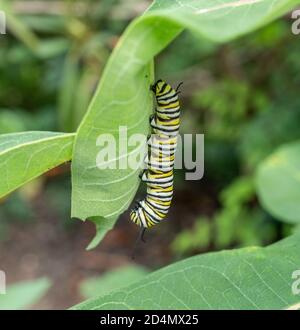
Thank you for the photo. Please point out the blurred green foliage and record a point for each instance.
(239, 222)
(23, 295)
(243, 97)
(50, 67)
(112, 281)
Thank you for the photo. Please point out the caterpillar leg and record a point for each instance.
(137, 203)
(152, 120)
(141, 174)
(151, 117)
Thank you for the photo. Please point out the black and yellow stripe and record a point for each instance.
(160, 159)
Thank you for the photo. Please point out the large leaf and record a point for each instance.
(24, 294)
(278, 183)
(249, 278)
(24, 156)
(123, 97)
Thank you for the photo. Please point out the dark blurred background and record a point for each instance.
(243, 96)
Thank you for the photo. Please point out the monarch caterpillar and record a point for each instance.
(160, 159)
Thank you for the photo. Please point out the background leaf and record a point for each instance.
(66, 97)
(278, 183)
(24, 294)
(24, 156)
(18, 28)
(215, 281)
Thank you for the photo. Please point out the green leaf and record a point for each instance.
(123, 97)
(234, 18)
(249, 278)
(278, 183)
(111, 281)
(103, 226)
(24, 294)
(25, 156)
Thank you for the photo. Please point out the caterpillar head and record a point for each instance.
(157, 87)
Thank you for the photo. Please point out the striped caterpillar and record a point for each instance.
(160, 159)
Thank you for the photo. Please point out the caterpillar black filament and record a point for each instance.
(160, 159)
